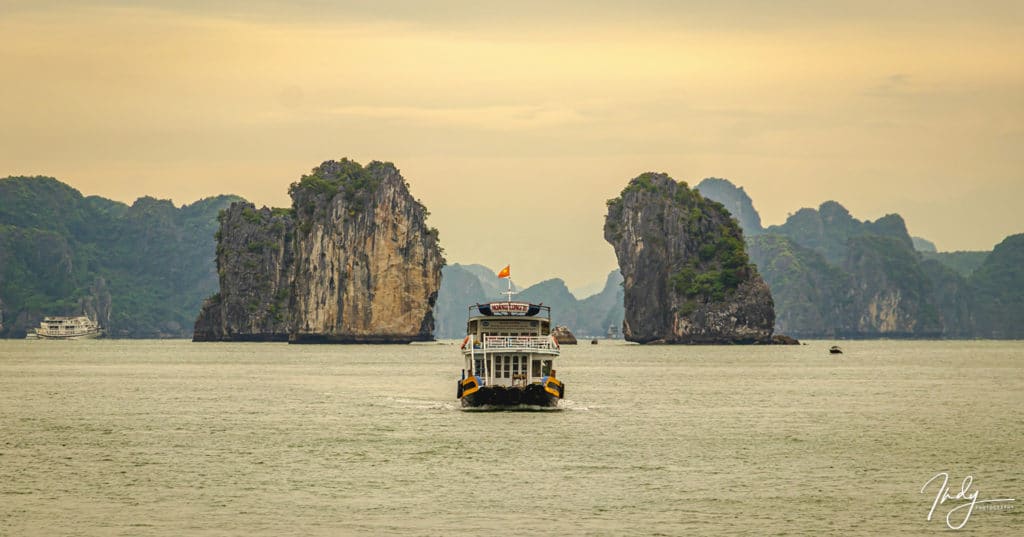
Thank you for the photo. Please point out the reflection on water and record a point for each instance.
(170, 438)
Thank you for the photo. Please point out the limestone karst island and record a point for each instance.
(687, 278)
(354, 260)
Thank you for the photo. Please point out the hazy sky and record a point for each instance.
(515, 121)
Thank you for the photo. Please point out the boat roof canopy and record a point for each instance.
(510, 309)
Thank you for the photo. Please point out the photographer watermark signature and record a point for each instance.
(966, 499)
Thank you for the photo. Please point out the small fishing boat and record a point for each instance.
(834, 349)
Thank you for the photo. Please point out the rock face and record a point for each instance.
(352, 261)
(254, 261)
(687, 278)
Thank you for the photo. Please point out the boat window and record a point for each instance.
(546, 368)
(478, 366)
(535, 366)
(507, 367)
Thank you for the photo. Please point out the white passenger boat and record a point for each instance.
(80, 327)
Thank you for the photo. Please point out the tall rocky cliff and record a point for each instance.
(352, 261)
(687, 278)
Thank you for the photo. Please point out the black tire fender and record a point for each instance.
(458, 394)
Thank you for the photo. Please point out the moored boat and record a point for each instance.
(80, 327)
(510, 355)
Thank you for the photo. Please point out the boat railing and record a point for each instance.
(537, 343)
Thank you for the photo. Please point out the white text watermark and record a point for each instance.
(964, 502)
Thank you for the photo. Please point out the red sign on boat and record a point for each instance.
(510, 307)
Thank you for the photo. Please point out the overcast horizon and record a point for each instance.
(514, 123)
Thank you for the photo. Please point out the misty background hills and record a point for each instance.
(464, 285)
(144, 269)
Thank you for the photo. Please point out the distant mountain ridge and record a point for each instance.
(465, 285)
(736, 201)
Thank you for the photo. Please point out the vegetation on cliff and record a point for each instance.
(140, 270)
(998, 287)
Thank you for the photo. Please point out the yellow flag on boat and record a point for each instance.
(505, 272)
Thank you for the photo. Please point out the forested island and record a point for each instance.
(140, 270)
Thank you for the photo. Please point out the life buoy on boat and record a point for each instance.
(553, 386)
(463, 346)
(470, 385)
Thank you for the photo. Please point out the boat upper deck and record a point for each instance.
(509, 327)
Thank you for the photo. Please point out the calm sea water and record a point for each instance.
(179, 438)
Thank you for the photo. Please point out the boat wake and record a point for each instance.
(512, 408)
(567, 404)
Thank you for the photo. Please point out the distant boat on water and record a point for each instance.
(79, 327)
(834, 349)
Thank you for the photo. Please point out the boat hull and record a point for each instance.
(533, 395)
(90, 335)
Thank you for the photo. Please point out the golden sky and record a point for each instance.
(515, 121)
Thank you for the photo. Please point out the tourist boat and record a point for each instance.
(510, 355)
(80, 327)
